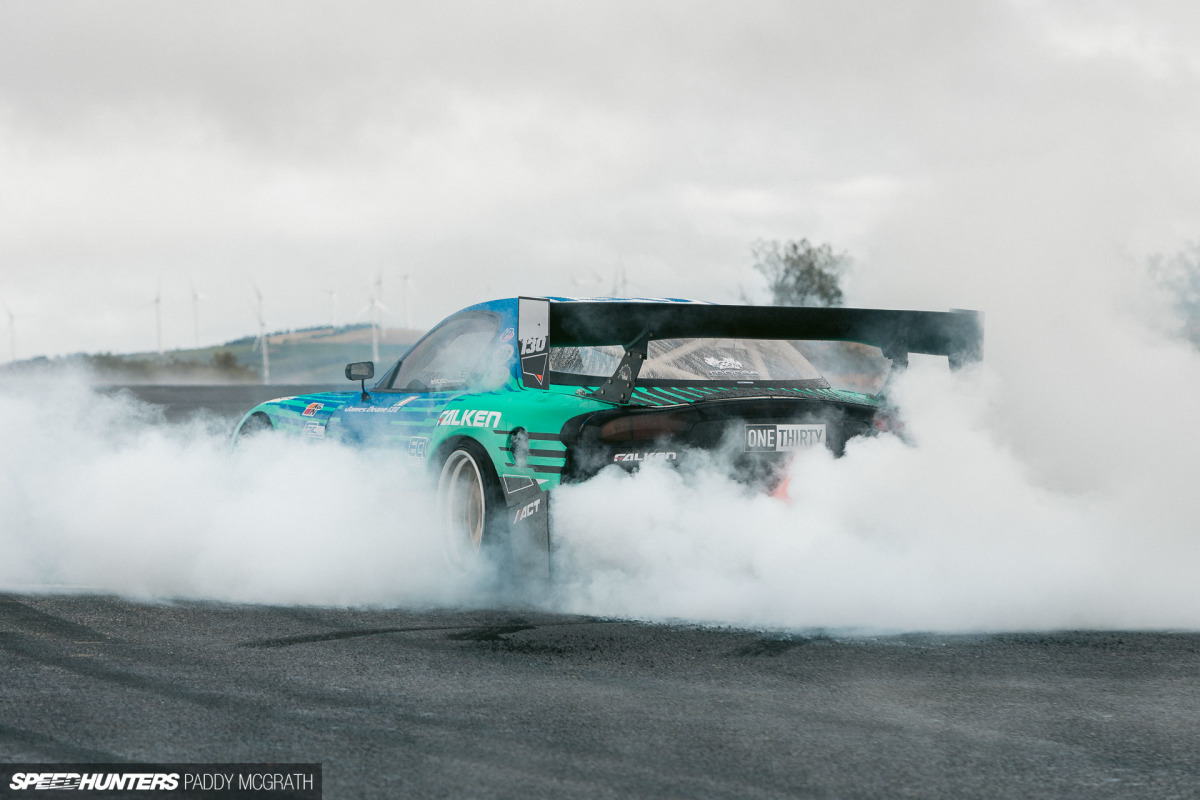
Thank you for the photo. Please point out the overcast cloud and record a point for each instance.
(965, 154)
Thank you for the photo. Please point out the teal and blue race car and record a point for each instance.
(506, 400)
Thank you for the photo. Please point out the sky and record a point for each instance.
(1024, 158)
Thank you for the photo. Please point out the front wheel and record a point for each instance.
(256, 425)
(469, 502)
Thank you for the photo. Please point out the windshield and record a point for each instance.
(686, 360)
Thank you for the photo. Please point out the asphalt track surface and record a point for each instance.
(400, 703)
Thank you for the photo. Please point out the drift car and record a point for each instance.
(506, 400)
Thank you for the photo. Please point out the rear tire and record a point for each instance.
(470, 505)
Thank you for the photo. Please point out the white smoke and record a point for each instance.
(948, 534)
(1052, 487)
(95, 496)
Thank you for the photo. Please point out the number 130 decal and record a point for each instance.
(535, 345)
(533, 325)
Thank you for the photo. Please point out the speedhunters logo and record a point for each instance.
(97, 781)
(172, 780)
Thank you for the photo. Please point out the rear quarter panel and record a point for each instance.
(538, 413)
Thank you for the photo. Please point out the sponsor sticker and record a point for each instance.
(728, 368)
(314, 430)
(527, 511)
(723, 363)
(312, 409)
(508, 334)
(661, 455)
(418, 447)
(784, 438)
(461, 417)
(392, 409)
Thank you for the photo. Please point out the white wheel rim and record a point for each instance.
(462, 509)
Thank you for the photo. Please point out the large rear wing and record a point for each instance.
(955, 334)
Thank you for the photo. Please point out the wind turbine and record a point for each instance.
(261, 341)
(196, 298)
(374, 306)
(158, 317)
(620, 287)
(12, 333)
(408, 302)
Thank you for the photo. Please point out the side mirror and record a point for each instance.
(361, 371)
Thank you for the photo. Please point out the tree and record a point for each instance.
(800, 273)
(1180, 275)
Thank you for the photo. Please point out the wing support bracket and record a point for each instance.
(619, 388)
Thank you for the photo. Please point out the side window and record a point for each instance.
(450, 358)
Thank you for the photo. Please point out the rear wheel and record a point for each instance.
(469, 504)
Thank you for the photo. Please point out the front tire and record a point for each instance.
(256, 425)
(469, 503)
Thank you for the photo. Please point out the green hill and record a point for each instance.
(311, 355)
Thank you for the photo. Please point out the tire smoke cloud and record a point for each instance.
(98, 495)
(998, 510)
(951, 532)
(1052, 486)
